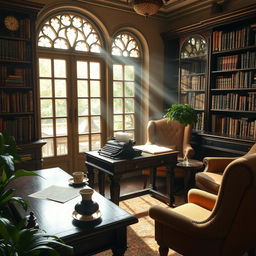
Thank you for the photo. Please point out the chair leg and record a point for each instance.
(163, 250)
(145, 181)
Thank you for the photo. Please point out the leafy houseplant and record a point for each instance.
(17, 240)
(182, 113)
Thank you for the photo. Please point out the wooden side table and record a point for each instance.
(190, 167)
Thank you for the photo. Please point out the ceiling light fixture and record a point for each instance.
(147, 7)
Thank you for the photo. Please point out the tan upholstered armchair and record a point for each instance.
(170, 134)
(210, 179)
(213, 225)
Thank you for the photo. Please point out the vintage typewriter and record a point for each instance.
(119, 149)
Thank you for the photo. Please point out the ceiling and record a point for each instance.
(169, 9)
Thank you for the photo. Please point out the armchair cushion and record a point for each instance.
(210, 179)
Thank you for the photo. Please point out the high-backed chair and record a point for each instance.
(209, 224)
(170, 134)
(210, 179)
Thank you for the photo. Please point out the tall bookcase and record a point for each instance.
(193, 75)
(18, 91)
(219, 84)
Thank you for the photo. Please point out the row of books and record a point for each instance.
(233, 39)
(193, 82)
(234, 101)
(24, 30)
(196, 100)
(199, 126)
(248, 60)
(21, 128)
(230, 126)
(15, 76)
(16, 101)
(15, 50)
(227, 62)
(239, 79)
(193, 68)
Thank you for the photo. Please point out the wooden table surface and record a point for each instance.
(56, 218)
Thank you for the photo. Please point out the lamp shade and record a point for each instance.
(147, 7)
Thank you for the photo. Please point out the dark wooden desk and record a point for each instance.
(56, 218)
(116, 168)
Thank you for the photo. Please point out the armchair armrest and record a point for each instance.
(170, 218)
(202, 198)
(217, 164)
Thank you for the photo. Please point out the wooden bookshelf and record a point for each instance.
(18, 89)
(228, 81)
(193, 75)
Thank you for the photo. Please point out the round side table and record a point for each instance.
(190, 166)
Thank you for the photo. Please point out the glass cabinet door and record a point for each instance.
(193, 69)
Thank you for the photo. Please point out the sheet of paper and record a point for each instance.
(153, 149)
(57, 193)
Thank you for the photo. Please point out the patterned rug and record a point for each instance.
(140, 236)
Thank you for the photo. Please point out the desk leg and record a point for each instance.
(152, 178)
(115, 189)
(90, 175)
(170, 185)
(121, 242)
(101, 180)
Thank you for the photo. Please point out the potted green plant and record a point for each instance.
(17, 239)
(182, 113)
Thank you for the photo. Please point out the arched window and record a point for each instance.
(71, 89)
(127, 60)
(69, 31)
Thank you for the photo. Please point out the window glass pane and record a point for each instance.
(129, 105)
(45, 88)
(118, 106)
(95, 124)
(61, 127)
(117, 72)
(61, 107)
(62, 146)
(82, 107)
(117, 89)
(129, 73)
(82, 88)
(95, 141)
(83, 125)
(82, 69)
(48, 148)
(95, 88)
(46, 128)
(129, 121)
(83, 143)
(46, 108)
(118, 122)
(60, 88)
(95, 107)
(45, 68)
(129, 89)
(94, 70)
(132, 137)
(59, 68)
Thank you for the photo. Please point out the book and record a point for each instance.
(153, 149)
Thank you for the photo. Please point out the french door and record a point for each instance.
(71, 106)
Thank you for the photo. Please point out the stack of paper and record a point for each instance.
(153, 149)
(57, 193)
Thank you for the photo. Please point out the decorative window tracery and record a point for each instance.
(125, 45)
(68, 31)
(195, 46)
